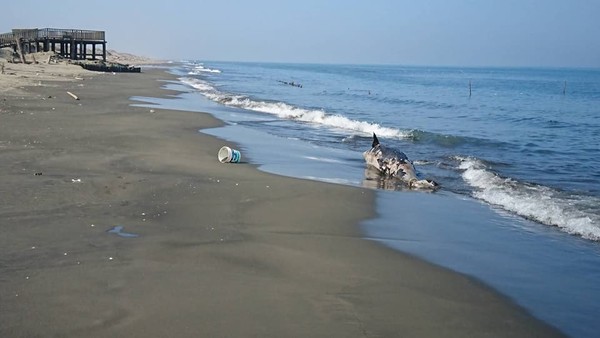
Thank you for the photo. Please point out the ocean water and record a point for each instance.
(515, 151)
(513, 139)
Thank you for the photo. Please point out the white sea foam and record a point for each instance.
(286, 111)
(199, 69)
(323, 159)
(540, 203)
(332, 180)
(198, 84)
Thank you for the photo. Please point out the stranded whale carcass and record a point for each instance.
(392, 163)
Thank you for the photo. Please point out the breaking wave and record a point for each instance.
(287, 111)
(574, 214)
(199, 69)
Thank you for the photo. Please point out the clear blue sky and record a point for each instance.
(556, 33)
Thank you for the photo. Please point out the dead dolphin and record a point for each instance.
(392, 163)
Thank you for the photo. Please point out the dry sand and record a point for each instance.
(224, 250)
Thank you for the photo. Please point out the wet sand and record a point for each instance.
(222, 250)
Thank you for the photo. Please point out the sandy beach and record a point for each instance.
(200, 248)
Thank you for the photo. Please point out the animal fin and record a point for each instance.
(375, 141)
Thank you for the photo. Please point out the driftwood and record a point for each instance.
(110, 67)
(20, 51)
(73, 95)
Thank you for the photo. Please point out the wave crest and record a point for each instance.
(571, 213)
(287, 111)
(198, 68)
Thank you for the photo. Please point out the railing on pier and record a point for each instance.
(72, 43)
(7, 39)
(77, 34)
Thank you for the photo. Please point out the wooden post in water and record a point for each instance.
(470, 91)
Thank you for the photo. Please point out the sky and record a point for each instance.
(512, 33)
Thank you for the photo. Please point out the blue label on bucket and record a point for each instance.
(235, 156)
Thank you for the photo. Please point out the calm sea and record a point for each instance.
(516, 152)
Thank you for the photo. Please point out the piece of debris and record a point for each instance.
(118, 230)
(73, 95)
(229, 155)
(113, 67)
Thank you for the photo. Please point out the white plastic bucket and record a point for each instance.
(227, 154)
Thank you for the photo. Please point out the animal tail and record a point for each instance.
(375, 141)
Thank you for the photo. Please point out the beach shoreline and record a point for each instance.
(221, 249)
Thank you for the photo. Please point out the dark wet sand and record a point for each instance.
(224, 250)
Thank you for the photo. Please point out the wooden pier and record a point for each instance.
(74, 44)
